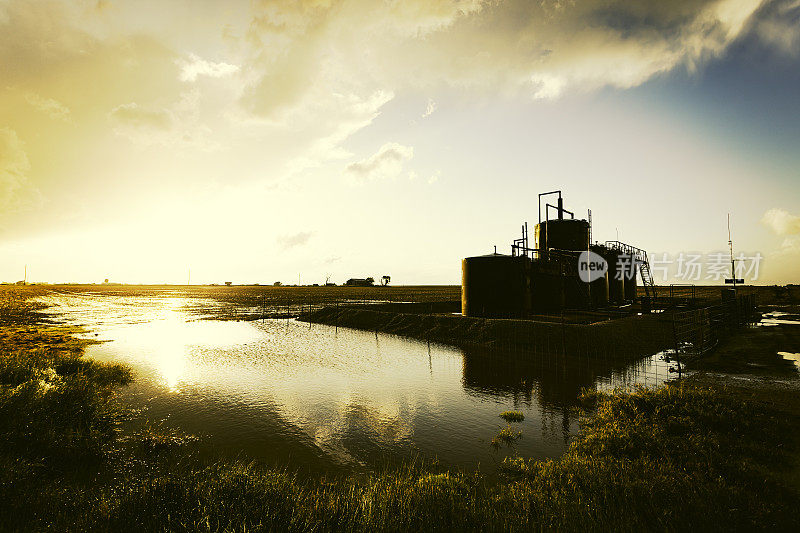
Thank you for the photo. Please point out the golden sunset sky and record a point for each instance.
(253, 141)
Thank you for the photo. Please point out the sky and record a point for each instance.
(162, 141)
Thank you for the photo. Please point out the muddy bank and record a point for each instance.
(625, 338)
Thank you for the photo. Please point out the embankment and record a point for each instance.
(627, 337)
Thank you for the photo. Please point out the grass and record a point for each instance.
(674, 458)
(687, 455)
(678, 457)
(512, 416)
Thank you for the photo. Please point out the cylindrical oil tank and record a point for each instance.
(616, 287)
(495, 286)
(599, 287)
(576, 292)
(563, 234)
(547, 288)
(629, 277)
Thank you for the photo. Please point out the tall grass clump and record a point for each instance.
(512, 416)
(672, 458)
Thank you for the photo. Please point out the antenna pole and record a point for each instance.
(730, 246)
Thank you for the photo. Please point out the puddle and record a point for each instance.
(325, 399)
(793, 357)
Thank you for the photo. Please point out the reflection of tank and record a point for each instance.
(496, 286)
(552, 378)
(563, 234)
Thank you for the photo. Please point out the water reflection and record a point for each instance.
(555, 380)
(322, 399)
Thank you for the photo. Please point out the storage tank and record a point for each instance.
(495, 286)
(547, 288)
(576, 293)
(599, 288)
(563, 234)
(629, 277)
(616, 287)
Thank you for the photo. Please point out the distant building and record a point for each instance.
(360, 282)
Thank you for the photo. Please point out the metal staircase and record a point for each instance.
(647, 277)
(640, 256)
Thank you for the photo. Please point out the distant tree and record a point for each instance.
(385, 280)
(370, 280)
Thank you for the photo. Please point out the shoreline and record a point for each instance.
(623, 339)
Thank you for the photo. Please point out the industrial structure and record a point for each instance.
(545, 278)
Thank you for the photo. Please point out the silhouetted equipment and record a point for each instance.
(616, 285)
(629, 277)
(633, 260)
(545, 278)
(562, 234)
(598, 289)
(496, 286)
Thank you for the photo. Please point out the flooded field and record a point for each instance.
(321, 399)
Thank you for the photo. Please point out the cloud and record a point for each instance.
(429, 109)
(52, 108)
(177, 125)
(778, 24)
(134, 116)
(16, 191)
(387, 162)
(321, 48)
(326, 121)
(781, 222)
(296, 239)
(544, 48)
(197, 66)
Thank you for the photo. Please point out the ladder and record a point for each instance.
(647, 276)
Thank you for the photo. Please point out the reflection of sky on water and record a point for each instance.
(324, 399)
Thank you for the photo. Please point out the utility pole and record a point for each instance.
(25, 277)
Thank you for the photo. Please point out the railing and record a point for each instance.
(698, 331)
